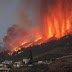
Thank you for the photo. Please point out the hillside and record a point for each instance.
(45, 51)
(59, 47)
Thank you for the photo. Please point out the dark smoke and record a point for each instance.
(24, 29)
(15, 35)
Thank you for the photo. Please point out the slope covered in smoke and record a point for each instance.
(15, 35)
(45, 51)
(53, 48)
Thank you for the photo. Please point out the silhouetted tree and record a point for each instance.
(31, 57)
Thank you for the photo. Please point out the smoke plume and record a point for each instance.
(40, 21)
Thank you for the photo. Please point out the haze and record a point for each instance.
(8, 15)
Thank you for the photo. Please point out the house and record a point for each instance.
(40, 62)
(43, 62)
(7, 62)
(1, 65)
(17, 64)
(26, 61)
(4, 69)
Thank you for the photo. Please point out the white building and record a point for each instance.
(26, 61)
(1, 65)
(7, 62)
(43, 62)
(40, 62)
(4, 70)
(17, 64)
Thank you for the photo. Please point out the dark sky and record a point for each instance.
(8, 15)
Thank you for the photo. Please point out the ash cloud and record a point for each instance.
(24, 30)
(15, 35)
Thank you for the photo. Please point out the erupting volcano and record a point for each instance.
(56, 22)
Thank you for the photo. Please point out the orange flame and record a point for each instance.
(56, 23)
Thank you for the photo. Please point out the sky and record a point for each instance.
(8, 15)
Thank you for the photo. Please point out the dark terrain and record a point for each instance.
(49, 51)
(45, 51)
